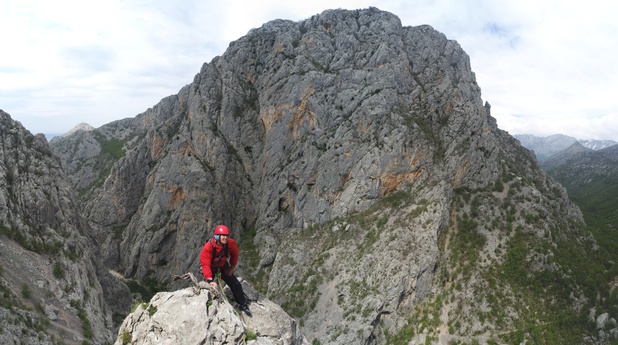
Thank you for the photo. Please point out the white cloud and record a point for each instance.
(546, 67)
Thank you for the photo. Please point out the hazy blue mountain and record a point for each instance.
(545, 147)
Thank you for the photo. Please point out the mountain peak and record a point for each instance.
(80, 127)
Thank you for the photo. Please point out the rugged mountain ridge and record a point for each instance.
(53, 287)
(56, 290)
(576, 166)
(561, 157)
(545, 147)
(372, 193)
(597, 144)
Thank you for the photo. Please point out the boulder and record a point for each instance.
(197, 316)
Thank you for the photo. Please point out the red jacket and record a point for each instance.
(210, 263)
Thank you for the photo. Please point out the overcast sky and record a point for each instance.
(546, 67)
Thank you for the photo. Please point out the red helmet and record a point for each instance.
(222, 230)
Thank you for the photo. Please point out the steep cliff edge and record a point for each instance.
(373, 195)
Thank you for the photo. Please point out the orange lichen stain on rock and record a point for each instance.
(178, 195)
(303, 115)
(186, 150)
(151, 181)
(120, 207)
(392, 181)
(448, 108)
(362, 127)
(414, 160)
(459, 174)
(158, 143)
(250, 77)
(308, 40)
(278, 47)
(271, 114)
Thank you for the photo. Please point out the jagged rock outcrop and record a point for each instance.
(49, 269)
(197, 316)
(370, 189)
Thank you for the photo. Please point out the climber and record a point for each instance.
(214, 259)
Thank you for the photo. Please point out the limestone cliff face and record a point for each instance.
(356, 158)
(49, 273)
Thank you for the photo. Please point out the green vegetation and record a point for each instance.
(526, 288)
(111, 151)
(25, 291)
(547, 320)
(362, 229)
(117, 232)
(39, 307)
(250, 101)
(81, 313)
(250, 335)
(137, 304)
(27, 242)
(303, 297)
(58, 271)
(147, 289)
(423, 119)
(112, 147)
(425, 317)
(467, 244)
(126, 337)
(250, 256)
(598, 203)
(72, 254)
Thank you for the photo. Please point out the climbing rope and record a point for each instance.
(220, 287)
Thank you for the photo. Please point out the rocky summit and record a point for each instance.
(372, 194)
(199, 315)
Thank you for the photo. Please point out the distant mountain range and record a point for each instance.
(544, 147)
